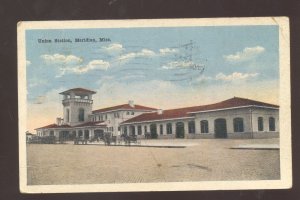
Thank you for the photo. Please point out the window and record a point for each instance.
(161, 130)
(51, 133)
(99, 118)
(127, 113)
(119, 128)
(116, 115)
(139, 130)
(112, 129)
(272, 124)
(204, 126)
(145, 129)
(68, 115)
(169, 128)
(132, 113)
(238, 125)
(81, 115)
(260, 124)
(191, 126)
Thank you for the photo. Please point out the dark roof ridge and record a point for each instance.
(122, 106)
(78, 89)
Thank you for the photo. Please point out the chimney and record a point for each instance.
(59, 121)
(131, 103)
(160, 111)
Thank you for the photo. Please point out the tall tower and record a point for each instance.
(77, 105)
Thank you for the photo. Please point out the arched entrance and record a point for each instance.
(63, 135)
(220, 128)
(86, 134)
(132, 130)
(179, 130)
(98, 134)
(153, 131)
(73, 135)
(80, 133)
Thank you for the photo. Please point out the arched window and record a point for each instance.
(204, 126)
(51, 133)
(68, 115)
(272, 124)
(238, 124)
(81, 115)
(169, 128)
(191, 127)
(260, 123)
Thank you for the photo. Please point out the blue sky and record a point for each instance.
(153, 66)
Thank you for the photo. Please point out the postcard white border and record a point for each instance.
(284, 101)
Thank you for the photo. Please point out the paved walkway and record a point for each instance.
(257, 146)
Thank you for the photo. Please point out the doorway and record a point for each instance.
(153, 131)
(220, 128)
(179, 130)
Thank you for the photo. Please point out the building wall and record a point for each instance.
(164, 124)
(250, 124)
(74, 112)
(115, 118)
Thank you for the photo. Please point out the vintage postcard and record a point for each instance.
(154, 105)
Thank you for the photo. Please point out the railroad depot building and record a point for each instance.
(232, 118)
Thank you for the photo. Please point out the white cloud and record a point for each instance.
(203, 78)
(235, 76)
(92, 65)
(142, 53)
(115, 47)
(167, 51)
(28, 62)
(247, 54)
(61, 59)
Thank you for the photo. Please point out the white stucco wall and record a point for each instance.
(74, 112)
(113, 121)
(249, 116)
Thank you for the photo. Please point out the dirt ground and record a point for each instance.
(200, 160)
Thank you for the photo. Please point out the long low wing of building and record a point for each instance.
(232, 118)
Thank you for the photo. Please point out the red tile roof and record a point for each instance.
(185, 112)
(55, 126)
(97, 123)
(78, 90)
(124, 107)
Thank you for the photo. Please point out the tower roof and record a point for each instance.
(78, 91)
